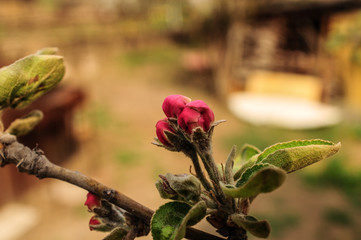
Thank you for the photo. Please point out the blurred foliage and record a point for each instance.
(280, 223)
(49, 4)
(98, 115)
(336, 175)
(155, 55)
(127, 157)
(338, 216)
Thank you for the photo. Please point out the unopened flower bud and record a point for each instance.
(92, 201)
(97, 223)
(174, 104)
(165, 191)
(183, 187)
(162, 127)
(94, 223)
(196, 114)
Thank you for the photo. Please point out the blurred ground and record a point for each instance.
(127, 68)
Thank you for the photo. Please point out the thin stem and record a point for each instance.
(210, 166)
(199, 172)
(244, 205)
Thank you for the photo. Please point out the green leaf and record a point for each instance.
(22, 126)
(259, 229)
(47, 51)
(294, 155)
(249, 173)
(29, 78)
(248, 151)
(228, 171)
(245, 166)
(171, 220)
(260, 178)
(249, 154)
(117, 233)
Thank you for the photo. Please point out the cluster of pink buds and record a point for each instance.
(183, 115)
(107, 216)
(93, 202)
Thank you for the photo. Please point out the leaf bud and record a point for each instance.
(29, 78)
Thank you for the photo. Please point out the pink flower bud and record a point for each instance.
(94, 223)
(174, 104)
(163, 126)
(196, 114)
(92, 201)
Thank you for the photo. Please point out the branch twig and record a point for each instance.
(34, 162)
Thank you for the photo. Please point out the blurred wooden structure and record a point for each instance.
(278, 37)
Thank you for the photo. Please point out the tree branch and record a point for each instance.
(34, 162)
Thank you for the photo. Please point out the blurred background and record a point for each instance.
(275, 70)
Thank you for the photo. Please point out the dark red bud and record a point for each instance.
(92, 201)
(174, 104)
(163, 126)
(94, 223)
(196, 114)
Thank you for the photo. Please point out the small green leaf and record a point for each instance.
(195, 215)
(250, 172)
(117, 233)
(245, 166)
(22, 126)
(259, 229)
(29, 78)
(261, 178)
(228, 171)
(291, 144)
(249, 154)
(248, 151)
(171, 220)
(47, 51)
(294, 155)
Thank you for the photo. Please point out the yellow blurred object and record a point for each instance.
(284, 84)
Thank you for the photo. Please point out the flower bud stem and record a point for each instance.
(212, 170)
(206, 184)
